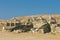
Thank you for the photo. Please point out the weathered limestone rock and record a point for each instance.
(37, 22)
(53, 28)
(57, 30)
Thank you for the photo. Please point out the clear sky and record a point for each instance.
(13, 8)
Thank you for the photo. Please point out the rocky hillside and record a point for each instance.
(35, 19)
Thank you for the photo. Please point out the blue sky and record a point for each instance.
(14, 8)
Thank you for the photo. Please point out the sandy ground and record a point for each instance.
(28, 36)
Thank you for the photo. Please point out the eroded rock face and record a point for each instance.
(23, 27)
(35, 23)
(43, 24)
(46, 28)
